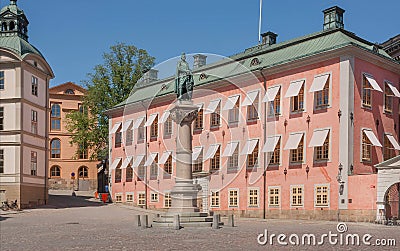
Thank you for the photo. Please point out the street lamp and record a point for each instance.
(341, 187)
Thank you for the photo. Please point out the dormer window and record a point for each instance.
(69, 91)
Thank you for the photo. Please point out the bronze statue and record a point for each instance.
(184, 80)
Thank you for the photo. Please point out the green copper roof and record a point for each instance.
(18, 45)
(268, 56)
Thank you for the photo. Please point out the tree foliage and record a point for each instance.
(109, 84)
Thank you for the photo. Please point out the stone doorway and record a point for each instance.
(392, 198)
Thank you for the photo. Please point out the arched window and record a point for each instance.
(55, 148)
(12, 26)
(69, 91)
(83, 172)
(55, 172)
(55, 117)
(4, 26)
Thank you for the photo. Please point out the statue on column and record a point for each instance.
(184, 80)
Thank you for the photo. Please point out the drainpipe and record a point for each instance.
(145, 154)
(265, 154)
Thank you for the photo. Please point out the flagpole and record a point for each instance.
(259, 23)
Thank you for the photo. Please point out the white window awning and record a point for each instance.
(394, 90)
(318, 137)
(392, 140)
(249, 147)
(294, 89)
(116, 127)
(373, 83)
(150, 159)
(230, 149)
(151, 119)
(211, 151)
(319, 83)
(115, 163)
(293, 141)
(138, 122)
(127, 162)
(196, 152)
(127, 125)
(372, 138)
(270, 144)
(250, 98)
(164, 157)
(164, 117)
(230, 103)
(212, 106)
(138, 161)
(271, 93)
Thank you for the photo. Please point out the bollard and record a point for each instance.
(176, 221)
(215, 224)
(136, 220)
(144, 220)
(231, 221)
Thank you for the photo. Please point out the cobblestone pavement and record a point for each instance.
(81, 223)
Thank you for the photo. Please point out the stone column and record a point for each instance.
(184, 193)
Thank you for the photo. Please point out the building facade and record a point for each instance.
(24, 81)
(284, 130)
(68, 168)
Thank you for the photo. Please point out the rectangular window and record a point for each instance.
(34, 124)
(198, 163)
(296, 155)
(129, 137)
(233, 160)
(1, 160)
(154, 197)
(297, 102)
(322, 152)
(118, 174)
(154, 129)
(168, 165)
(234, 198)
(215, 161)
(215, 117)
(275, 105)
(388, 99)
(1, 80)
(274, 195)
(388, 149)
(118, 198)
(276, 154)
(154, 168)
(33, 163)
(366, 148)
(141, 199)
(129, 197)
(234, 113)
(129, 174)
(252, 158)
(322, 97)
(1, 118)
(215, 199)
(141, 133)
(167, 200)
(366, 92)
(321, 196)
(252, 110)
(34, 86)
(83, 152)
(55, 117)
(253, 197)
(118, 139)
(168, 127)
(198, 122)
(141, 171)
(297, 196)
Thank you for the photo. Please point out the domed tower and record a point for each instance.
(24, 94)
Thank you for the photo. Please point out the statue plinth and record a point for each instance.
(184, 193)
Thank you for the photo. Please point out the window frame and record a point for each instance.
(277, 150)
(2, 160)
(168, 165)
(129, 175)
(252, 159)
(300, 98)
(252, 111)
(366, 147)
(54, 169)
(388, 152)
(272, 198)
(154, 168)
(2, 118)
(55, 117)
(55, 155)
(130, 194)
(198, 163)
(325, 149)
(85, 173)
(297, 194)
(233, 160)
(388, 97)
(141, 198)
(215, 198)
(276, 103)
(215, 117)
(129, 137)
(34, 122)
(250, 196)
(199, 120)
(154, 128)
(325, 93)
(167, 199)
(234, 113)
(154, 197)
(34, 86)
(319, 205)
(366, 91)
(168, 127)
(292, 152)
(34, 161)
(230, 197)
(2, 80)
(215, 162)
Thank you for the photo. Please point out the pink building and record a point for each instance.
(285, 130)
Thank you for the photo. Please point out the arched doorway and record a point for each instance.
(83, 179)
(392, 206)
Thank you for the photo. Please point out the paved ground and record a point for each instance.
(81, 223)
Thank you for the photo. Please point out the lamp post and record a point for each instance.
(341, 187)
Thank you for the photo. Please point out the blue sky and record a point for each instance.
(74, 34)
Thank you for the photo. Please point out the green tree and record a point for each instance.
(109, 84)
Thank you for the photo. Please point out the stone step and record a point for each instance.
(183, 224)
(185, 219)
(191, 214)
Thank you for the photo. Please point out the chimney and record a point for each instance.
(269, 38)
(199, 61)
(333, 18)
(150, 76)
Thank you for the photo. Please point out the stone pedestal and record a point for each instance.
(184, 193)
